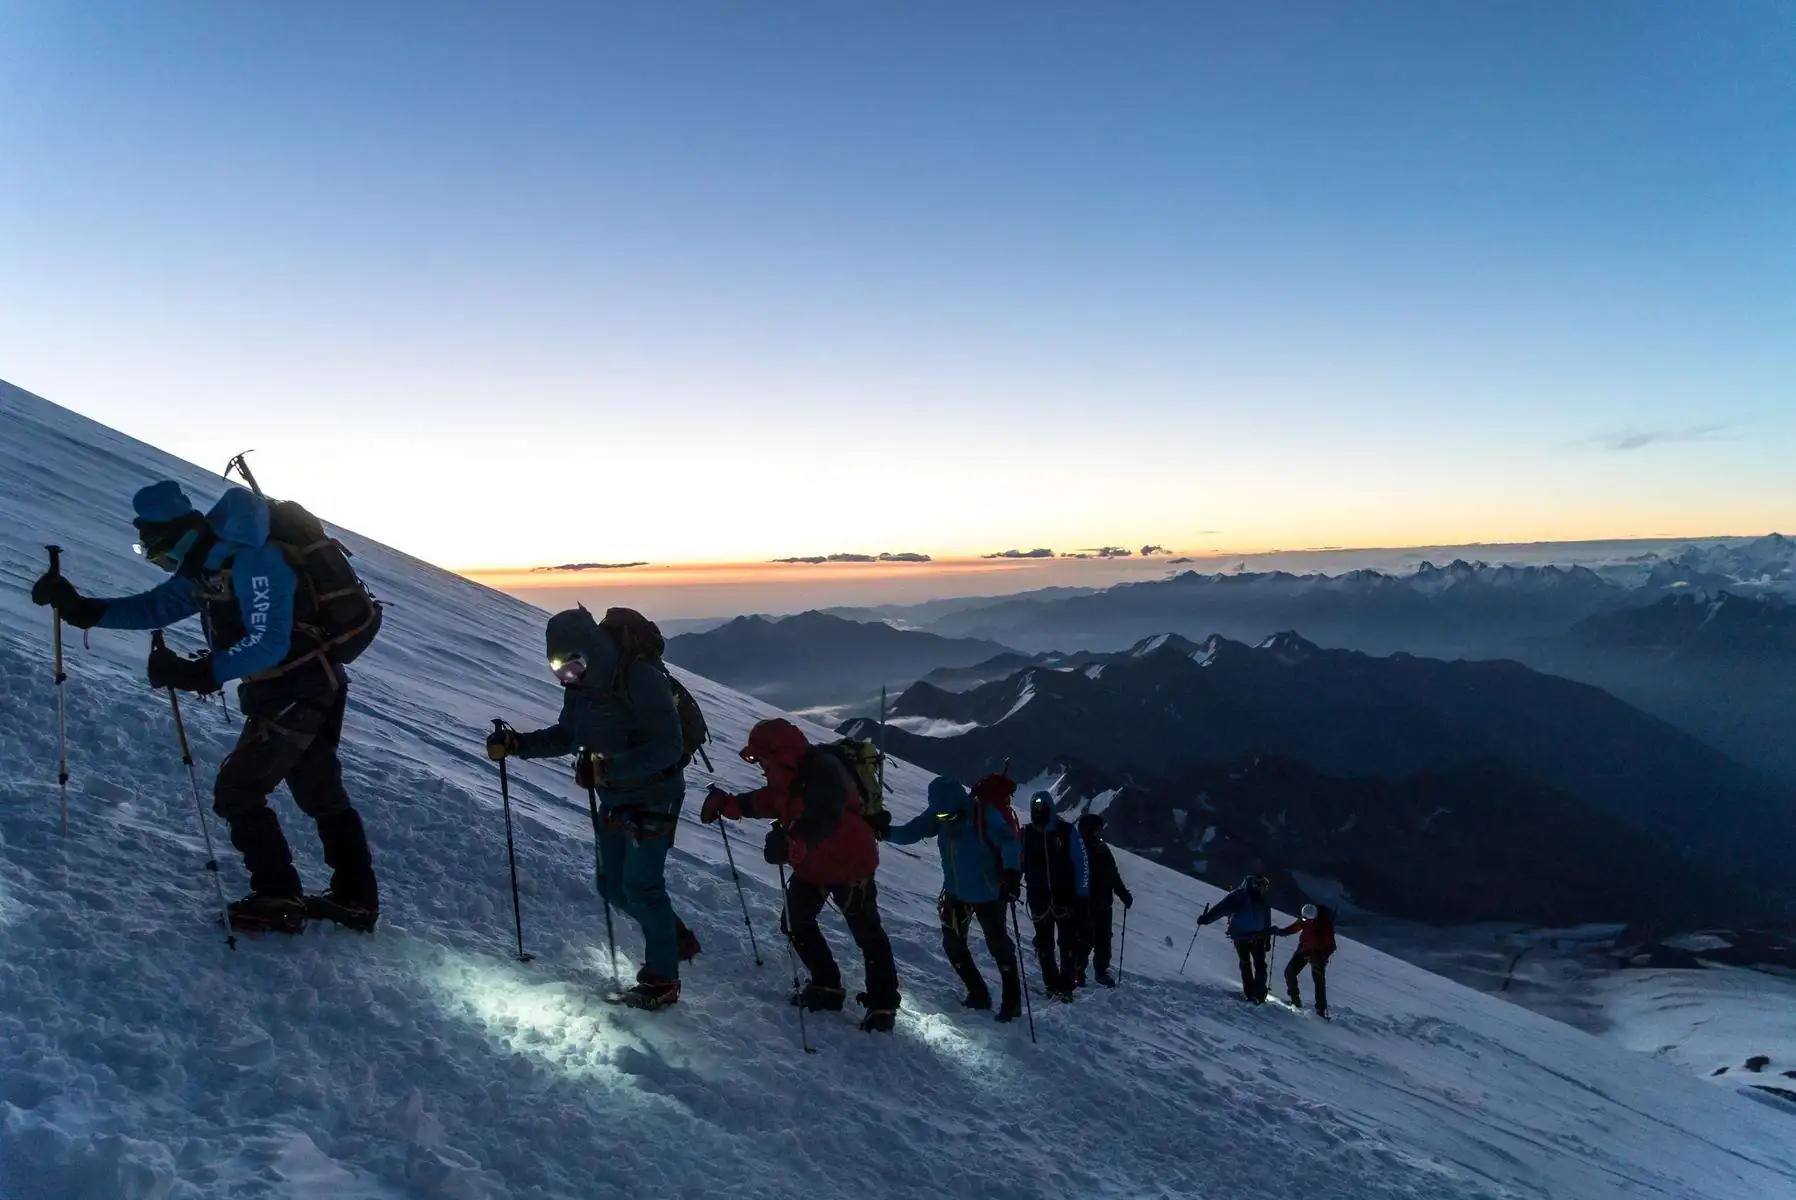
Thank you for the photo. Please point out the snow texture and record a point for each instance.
(141, 1059)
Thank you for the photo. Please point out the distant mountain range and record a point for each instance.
(814, 659)
(1723, 627)
(1463, 607)
(1169, 708)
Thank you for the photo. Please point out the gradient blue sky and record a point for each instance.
(505, 284)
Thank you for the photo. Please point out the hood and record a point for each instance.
(948, 796)
(1091, 824)
(241, 518)
(776, 743)
(575, 632)
(1041, 810)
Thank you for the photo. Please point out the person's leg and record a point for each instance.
(1044, 953)
(1260, 946)
(1244, 952)
(1319, 973)
(997, 934)
(317, 784)
(1102, 928)
(804, 901)
(265, 753)
(1066, 928)
(1004, 952)
(643, 888)
(1293, 970)
(860, 909)
(956, 920)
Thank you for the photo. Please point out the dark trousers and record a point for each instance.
(293, 743)
(1251, 951)
(1318, 972)
(1060, 924)
(859, 904)
(957, 924)
(1103, 928)
(632, 847)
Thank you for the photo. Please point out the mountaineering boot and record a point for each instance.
(882, 1012)
(978, 996)
(259, 913)
(1296, 1000)
(651, 994)
(1105, 977)
(816, 997)
(686, 940)
(1011, 1006)
(347, 911)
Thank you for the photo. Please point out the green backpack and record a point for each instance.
(865, 763)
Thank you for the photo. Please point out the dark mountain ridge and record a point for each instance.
(1169, 707)
(817, 659)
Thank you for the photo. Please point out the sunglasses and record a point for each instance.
(164, 552)
(569, 670)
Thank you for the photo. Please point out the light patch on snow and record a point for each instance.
(1698, 942)
(1094, 671)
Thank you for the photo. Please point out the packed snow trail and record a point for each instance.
(140, 1058)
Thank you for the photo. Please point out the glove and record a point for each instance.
(881, 824)
(501, 744)
(169, 670)
(777, 849)
(1010, 886)
(715, 801)
(53, 590)
(589, 769)
(1125, 897)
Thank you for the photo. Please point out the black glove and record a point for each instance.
(589, 769)
(881, 824)
(169, 670)
(1010, 886)
(1123, 894)
(501, 743)
(55, 591)
(777, 849)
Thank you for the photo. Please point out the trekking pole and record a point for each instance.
(62, 722)
(1016, 927)
(1123, 947)
(740, 895)
(199, 808)
(511, 853)
(1194, 933)
(598, 879)
(804, 1036)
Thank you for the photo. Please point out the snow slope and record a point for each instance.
(141, 1059)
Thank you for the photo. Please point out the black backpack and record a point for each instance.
(637, 637)
(345, 616)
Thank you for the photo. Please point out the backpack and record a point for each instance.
(989, 797)
(637, 637)
(1325, 929)
(345, 615)
(863, 761)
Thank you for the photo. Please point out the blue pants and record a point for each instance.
(632, 864)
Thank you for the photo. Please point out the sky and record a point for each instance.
(712, 283)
